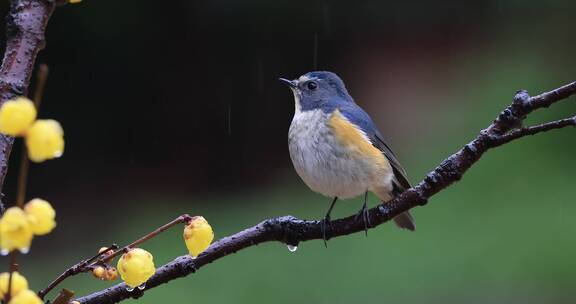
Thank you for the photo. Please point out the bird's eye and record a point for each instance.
(312, 85)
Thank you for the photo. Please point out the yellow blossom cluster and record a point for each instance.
(19, 292)
(18, 226)
(44, 137)
(137, 265)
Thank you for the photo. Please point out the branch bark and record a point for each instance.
(25, 26)
(291, 231)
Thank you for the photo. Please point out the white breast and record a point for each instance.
(321, 162)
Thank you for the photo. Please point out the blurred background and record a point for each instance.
(174, 107)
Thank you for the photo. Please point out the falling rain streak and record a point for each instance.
(229, 120)
(315, 58)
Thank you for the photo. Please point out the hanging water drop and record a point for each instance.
(292, 248)
(24, 250)
(129, 289)
(142, 287)
(5, 252)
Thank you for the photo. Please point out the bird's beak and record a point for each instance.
(291, 83)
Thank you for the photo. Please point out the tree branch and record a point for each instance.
(291, 231)
(25, 25)
(533, 130)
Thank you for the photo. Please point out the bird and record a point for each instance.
(337, 150)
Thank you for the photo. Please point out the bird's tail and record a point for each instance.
(405, 221)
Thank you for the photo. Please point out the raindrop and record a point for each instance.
(24, 250)
(129, 289)
(142, 287)
(5, 252)
(193, 257)
(292, 248)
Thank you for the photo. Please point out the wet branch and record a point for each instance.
(291, 231)
(25, 25)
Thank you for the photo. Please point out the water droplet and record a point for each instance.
(5, 252)
(142, 287)
(129, 289)
(193, 257)
(292, 248)
(24, 250)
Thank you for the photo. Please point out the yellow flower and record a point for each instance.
(19, 283)
(16, 116)
(74, 1)
(15, 231)
(136, 267)
(106, 256)
(108, 274)
(26, 297)
(111, 274)
(99, 272)
(45, 140)
(198, 235)
(40, 215)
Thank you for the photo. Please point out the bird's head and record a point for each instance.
(314, 90)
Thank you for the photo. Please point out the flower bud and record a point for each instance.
(45, 140)
(19, 283)
(41, 216)
(16, 116)
(136, 267)
(15, 231)
(198, 235)
(99, 272)
(111, 274)
(26, 297)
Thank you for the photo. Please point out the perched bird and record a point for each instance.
(337, 150)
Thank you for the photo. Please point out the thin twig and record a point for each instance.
(179, 220)
(291, 231)
(533, 130)
(13, 266)
(80, 267)
(41, 77)
(22, 177)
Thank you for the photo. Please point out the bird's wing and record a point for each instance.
(359, 117)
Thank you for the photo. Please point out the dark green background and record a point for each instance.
(173, 107)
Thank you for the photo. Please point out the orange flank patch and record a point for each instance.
(355, 140)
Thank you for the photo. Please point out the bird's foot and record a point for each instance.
(324, 224)
(365, 217)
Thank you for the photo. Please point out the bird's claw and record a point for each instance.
(365, 218)
(326, 221)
